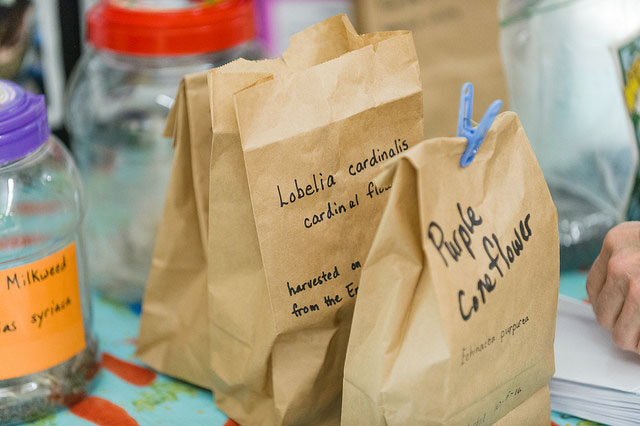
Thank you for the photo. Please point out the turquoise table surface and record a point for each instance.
(126, 393)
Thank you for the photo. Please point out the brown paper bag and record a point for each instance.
(535, 411)
(174, 335)
(456, 41)
(293, 210)
(455, 318)
(174, 328)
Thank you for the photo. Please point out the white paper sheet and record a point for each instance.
(585, 352)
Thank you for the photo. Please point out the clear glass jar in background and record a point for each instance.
(48, 354)
(564, 84)
(119, 98)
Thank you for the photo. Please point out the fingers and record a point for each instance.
(626, 331)
(617, 239)
(613, 285)
(610, 300)
(597, 277)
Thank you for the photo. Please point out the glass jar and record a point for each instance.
(119, 98)
(48, 350)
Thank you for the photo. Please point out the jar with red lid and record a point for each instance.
(118, 101)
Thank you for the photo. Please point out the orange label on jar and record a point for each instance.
(40, 314)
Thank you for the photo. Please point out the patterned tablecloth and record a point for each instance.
(126, 393)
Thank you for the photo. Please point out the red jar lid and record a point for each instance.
(148, 31)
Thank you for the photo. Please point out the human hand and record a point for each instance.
(613, 285)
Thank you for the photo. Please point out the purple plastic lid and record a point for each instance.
(23, 122)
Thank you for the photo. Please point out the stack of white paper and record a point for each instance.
(594, 379)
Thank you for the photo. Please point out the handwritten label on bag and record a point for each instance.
(319, 183)
(453, 244)
(40, 314)
(339, 282)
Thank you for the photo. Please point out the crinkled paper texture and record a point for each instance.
(419, 354)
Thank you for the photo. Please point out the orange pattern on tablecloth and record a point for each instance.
(129, 372)
(102, 412)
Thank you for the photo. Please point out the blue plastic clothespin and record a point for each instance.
(474, 135)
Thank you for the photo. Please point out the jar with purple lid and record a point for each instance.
(48, 354)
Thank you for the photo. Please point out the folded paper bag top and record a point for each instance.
(293, 209)
(454, 322)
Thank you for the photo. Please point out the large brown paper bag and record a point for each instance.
(293, 210)
(174, 335)
(174, 328)
(455, 318)
(456, 41)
